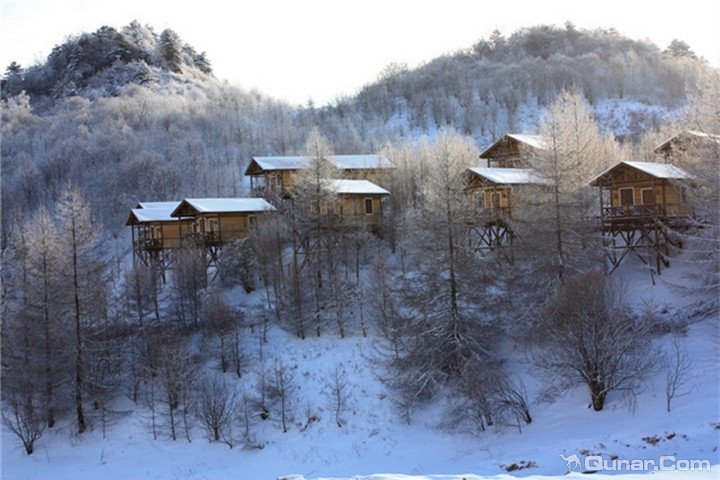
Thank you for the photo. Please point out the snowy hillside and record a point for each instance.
(443, 330)
(373, 439)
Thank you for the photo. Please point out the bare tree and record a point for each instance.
(446, 298)
(267, 239)
(512, 400)
(472, 405)
(36, 323)
(172, 370)
(557, 217)
(678, 371)
(141, 292)
(313, 222)
(592, 338)
(282, 391)
(247, 416)
(222, 323)
(393, 326)
(22, 410)
(339, 393)
(238, 359)
(189, 281)
(217, 410)
(87, 278)
(484, 396)
(21, 416)
(238, 265)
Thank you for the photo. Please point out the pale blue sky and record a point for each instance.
(322, 48)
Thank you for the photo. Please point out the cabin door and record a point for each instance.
(626, 197)
(648, 196)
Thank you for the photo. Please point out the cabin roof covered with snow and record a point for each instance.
(663, 171)
(510, 176)
(355, 187)
(152, 215)
(222, 205)
(534, 141)
(259, 165)
(171, 204)
(688, 134)
(361, 162)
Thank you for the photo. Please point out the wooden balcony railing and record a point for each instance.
(489, 214)
(217, 238)
(148, 244)
(634, 211)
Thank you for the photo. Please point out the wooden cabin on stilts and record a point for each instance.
(688, 143)
(215, 222)
(279, 174)
(356, 205)
(494, 193)
(156, 234)
(357, 196)
(643, 209)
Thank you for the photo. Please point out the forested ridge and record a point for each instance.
(501, 83)
(117, 117)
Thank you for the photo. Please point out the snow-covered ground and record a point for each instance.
(374, 440)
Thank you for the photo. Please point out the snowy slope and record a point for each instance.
(374, 440)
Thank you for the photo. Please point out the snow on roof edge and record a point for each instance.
(228, 205)
(649, 168)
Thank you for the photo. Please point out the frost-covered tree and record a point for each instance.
(444, 295)
(313, 221)
(557, 216)
(699, 155)
(679, 48)
(171, 49)
(45, 299)
(87, 281)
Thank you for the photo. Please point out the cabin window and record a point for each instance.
(212, 225)
(627, 197)
(496, 200)
(480, 199)
(648, 196)
(277, 180)
(368, 206)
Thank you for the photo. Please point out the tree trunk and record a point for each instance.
(597, 395)
(78, 336)
(48, 349)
